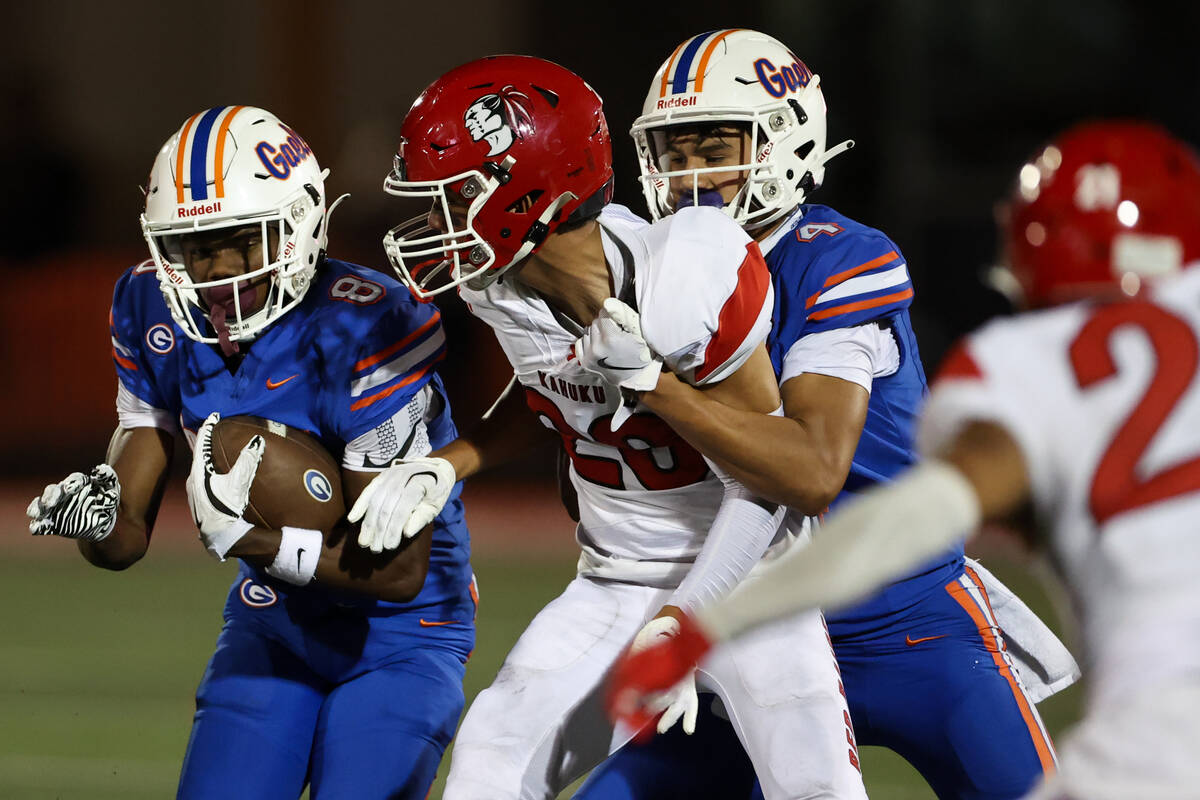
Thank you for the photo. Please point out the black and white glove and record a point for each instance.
(217, 501)
(79, 507)
(400, 501)
(613, 348)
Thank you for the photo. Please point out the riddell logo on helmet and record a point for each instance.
(172, 275)
(195, 211)
(678, 102)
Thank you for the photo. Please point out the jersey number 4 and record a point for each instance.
(1116, 486)
(657, 456)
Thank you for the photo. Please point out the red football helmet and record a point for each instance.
(508, 148)
(1102, 208)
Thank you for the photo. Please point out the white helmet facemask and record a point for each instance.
(744, 80)
(235, 177)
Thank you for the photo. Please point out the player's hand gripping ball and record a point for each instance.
(298, 482)
(217, 499)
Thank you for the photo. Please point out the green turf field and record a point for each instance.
(99, 669)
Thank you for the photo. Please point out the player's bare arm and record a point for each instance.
(800, 459)
(510, 431)
(141, 457)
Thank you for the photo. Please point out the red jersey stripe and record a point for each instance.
(371, 361)
(874, 302)
(739, 313)
(959, 364)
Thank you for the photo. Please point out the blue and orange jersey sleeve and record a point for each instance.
(394, 359)
(854, 280)
(127, 323)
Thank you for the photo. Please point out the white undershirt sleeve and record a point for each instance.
(859, 355)
(134, 412)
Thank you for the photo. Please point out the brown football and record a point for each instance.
(298, 482)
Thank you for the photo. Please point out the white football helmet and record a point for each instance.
(740, 77)
(229, 167)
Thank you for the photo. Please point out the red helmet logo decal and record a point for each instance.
(499, 119)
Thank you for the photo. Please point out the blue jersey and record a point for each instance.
(354, 352)
(832, 272)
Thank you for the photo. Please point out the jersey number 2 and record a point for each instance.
(1116, 486)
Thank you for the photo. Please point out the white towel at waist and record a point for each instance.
(1044, 664)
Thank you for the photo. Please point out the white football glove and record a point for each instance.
(613, 348)
(79, 507)
(217, 501)
(400, 501)
(681, 700)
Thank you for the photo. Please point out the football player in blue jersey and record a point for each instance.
(338, 665)
(735, 120)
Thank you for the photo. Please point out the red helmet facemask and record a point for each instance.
(507, 148)
(1101, 210)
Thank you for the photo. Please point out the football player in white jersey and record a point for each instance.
(734, 119)
(515, 154)
(1089, 416)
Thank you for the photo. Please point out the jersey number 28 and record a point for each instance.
(657, 455)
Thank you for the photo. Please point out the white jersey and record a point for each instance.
(646, 498)
(1104, 401)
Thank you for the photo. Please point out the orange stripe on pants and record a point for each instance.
(1045, 749)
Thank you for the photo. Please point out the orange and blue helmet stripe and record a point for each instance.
(193, 154)
(678, 73)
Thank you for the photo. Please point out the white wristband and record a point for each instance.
(299, 552)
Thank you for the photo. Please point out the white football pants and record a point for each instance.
(541, 723)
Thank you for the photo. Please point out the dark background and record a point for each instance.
(944, 100)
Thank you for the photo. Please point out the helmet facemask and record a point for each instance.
(431, 259)
(230, 176)
(233, 308)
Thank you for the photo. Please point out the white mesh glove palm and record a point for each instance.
(401, 501)
(217, 501)
(681, 700)
(78, 507)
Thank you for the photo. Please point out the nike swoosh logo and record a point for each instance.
(299, 558)
(276, 384)
(427, 624)
(908, 640)
(602, 361)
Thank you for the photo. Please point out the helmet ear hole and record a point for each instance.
(803, 150)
